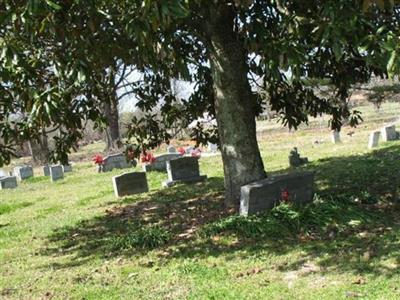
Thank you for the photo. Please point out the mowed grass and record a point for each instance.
(74, 240)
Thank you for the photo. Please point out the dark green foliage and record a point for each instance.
(146, 237)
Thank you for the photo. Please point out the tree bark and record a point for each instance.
(235, 107)
(40, 149)
(112, 114)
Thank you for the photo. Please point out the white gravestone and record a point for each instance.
(374, 139)
(23, 172)
(212, 147)
(56, 173)
(8, 182)
(335, 137)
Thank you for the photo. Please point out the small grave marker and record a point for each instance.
(116, 161)
(46, 171)
(8, 182)
(183, 170)
(295, 160)
(263, 195)
(389, 133)
(130, 184)
(336, 137)
(23, 172)
(56, 173)
(67, 168)
(374, 139)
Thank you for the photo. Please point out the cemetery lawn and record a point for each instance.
(74, 240)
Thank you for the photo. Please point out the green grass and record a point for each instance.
(73, 239)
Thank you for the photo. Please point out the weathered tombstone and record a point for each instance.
(295, 160)
(171, 149)
(263, 195)
(23, 172)
(116, 161)
(374, 139)
(183, 170)
(336, 137)
(46, 171)
(389, 133)
(56, 173)
(8, 182)
(130, 184)
(67, 168)
(160, 163)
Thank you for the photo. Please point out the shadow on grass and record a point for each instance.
(352, 226)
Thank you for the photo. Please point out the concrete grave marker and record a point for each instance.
(56, 173)
(160, 164)
(336, 137)
(263, 195)
(23, 172)
(115, 161)
(389, 133)
(46, 171)
(374, 139)
(8, 182)
(183, 170)
(130, 184)
(67, 168)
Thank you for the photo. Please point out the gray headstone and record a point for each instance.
(67, 168)
(46, 171)
(183, 170)
(9, 182)
(389, 133)
(23, 172)
(56, 173)
(130, 184)
(116, 161)
(160, 164)
(171, 149)
(336, 137)
(263, 195)
(295, 160)
(374, 139)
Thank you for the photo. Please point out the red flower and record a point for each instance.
(181, 150)
(98, 159)
(285, 195)
(147, 158)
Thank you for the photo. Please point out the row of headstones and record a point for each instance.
(212, 148)
(179, 170)
(388, 133)
(24, 172)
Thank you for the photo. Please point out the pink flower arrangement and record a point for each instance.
(196, 153)
(181, 151)
(147, 158)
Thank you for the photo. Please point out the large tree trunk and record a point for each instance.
(40, 149)
(112, 131)
(111, 113)
(235, 106)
